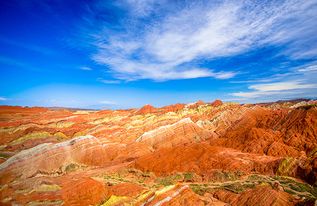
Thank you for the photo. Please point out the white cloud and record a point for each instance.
(106, 81)
(281, 86)
(277, 88)
(141, 8)
(170, 45)
(107, 102)
(3, 99)
(311, 68)
(190, 74)
(296, 82)
(252, 94)
(85, 68)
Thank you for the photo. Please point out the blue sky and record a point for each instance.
(122, 54)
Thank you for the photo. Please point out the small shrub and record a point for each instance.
(165, 181)
(219, 175)
(290, 191)
(71, 167)
(307, 107)
(286, 166)
(238, 187)
(198, 189)
(4, 155)
(169, 180)
(188, 176)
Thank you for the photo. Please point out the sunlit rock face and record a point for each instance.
(182, 132)
(217, 103)
(49, 158)
(146, 109)
(183, 154)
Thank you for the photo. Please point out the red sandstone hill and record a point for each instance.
(146, 109)
(183, 154)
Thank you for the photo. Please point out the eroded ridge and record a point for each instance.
(183, 154)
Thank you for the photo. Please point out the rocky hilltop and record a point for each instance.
(183, 154)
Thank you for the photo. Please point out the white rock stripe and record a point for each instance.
(169, 198)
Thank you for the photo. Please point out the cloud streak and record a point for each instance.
(298, 82)
(171, 45)
(85, 68)
(108, 81)
(107, 102)
(277, 88)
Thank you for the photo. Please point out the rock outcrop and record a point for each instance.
(183, 154)
(182, 132)
(217, 103)
(49, 158)
(146, 109)
(204, 159)
(261, 195)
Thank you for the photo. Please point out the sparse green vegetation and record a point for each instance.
(288, 184)
(4, 155)
(257, 178)
(238, 187)
(296, 187)
(220, 176)
(113, 200)
(299, 187)
(169, 180)
(114, 179)
(71, 167)
(199, 189)
(307, 107)
(188, 176)
(290, 191)
(30, 136)
(286, 166)
(165, 181)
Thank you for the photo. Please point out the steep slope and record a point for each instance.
(272, 132)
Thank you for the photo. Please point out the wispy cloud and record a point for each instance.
(107, 102)
(3, 99)
(108, 81)
(298, 82)
(311, 68)
(85, 68)
(280, 88)
(170, 44)
(141, 8)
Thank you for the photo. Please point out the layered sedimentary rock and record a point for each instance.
(182, 132)
(261, 195)
(49, 158)
(204, 159)
(146, 109)
(217, 103)
(183, 154)
(265, 131)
